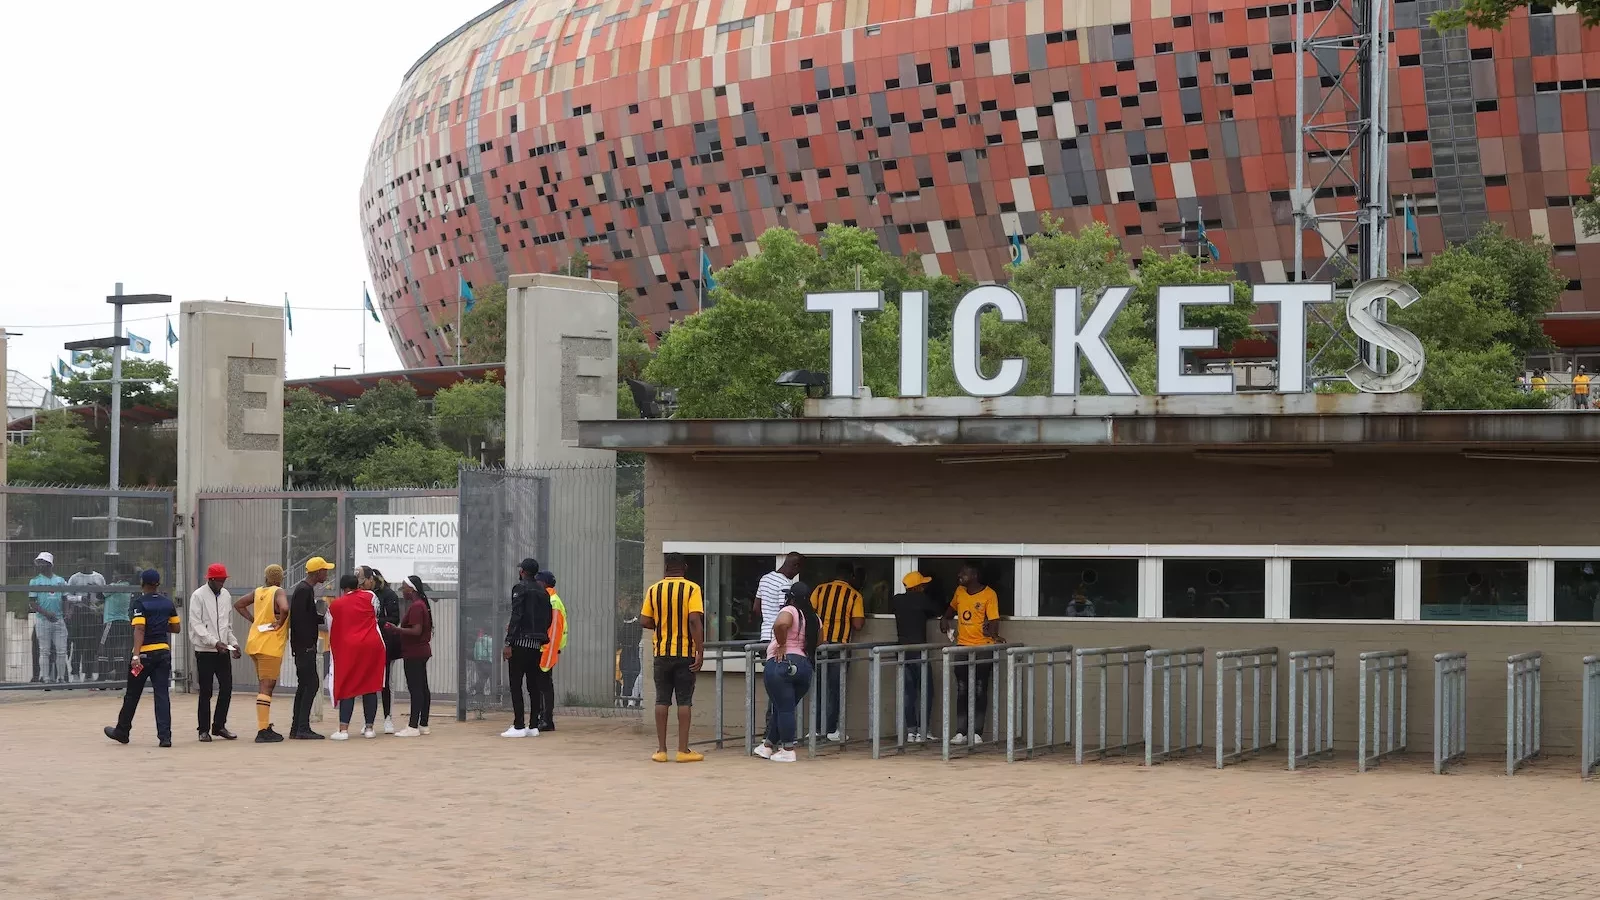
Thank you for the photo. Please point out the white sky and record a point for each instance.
(199, 149)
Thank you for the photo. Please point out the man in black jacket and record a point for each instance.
(304, 635)
(526, 632)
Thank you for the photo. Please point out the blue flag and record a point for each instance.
(466, 295)
(368, 298)
(61, 371)
(138, 344)
(707, 283)
(82, 359)
(1206, 247)
(172, 336)
(1411, 229)
(1018, 250)
(288, 315)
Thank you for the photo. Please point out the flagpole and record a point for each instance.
(460, 303)
(1200, 245)
(363, 328)
(701, 305)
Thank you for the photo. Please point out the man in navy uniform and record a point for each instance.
(154, 620)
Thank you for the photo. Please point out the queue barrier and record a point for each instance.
(896, 656)
(718, 653)
(1022, 689)
(1524, 695)
(1103, 660)
(1310, 705)
(1449, 710)
(1164, 663)
(1589, 758)
(1238, 662)
(972, 659)
(838, 656)
(1385, 679)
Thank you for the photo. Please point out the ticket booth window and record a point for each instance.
(1000, 574)
(1577, 597)
(1214, 589)
(1475, 590)
(1341, 589)
(1090, 588)
(873, 576)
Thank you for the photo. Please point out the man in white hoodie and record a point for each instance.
(211, 635)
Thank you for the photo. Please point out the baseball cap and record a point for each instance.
(149, 576)
(547, 576)
(216, 570)
(915, 579)
(46, 556)
(318, 564)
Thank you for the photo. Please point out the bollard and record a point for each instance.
(1238, 661)
(751, 651)
(1023, 692)
(1163, 663)
(1379, 696)
(1101, 659)
(1449, 709)
(1523, 699)
(1311, 715)
(839, 656)
(972, 659)
(1590, 757)
(898, 660)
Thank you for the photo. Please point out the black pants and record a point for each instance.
(417, 687)
(983, 664)
(832, 678)
(116, 639)
(388, 676)
(158, 672)
(545, 713)
(524, 663)
(305, 692)
(369, 709)
(83, 646)
(210, 664)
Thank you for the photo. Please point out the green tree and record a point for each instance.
(326, 444)
(1492, 14)
(60, 451)
(409, 463)
(470, 413)
(1588, 212)
(158, 391)
(483, 329)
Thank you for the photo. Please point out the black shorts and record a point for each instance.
(673, 679)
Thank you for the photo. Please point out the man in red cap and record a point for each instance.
(211, 635)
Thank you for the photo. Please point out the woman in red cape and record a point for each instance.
(358, 655)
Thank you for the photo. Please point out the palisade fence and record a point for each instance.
(112, 534)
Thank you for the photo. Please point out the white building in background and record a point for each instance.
(25, 398)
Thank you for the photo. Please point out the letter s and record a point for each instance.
(1363, 309)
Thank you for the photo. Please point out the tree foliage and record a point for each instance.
(1587, 212)
(1493, 14)
(409, 463)
(77, 390)
(470, 413)
(59, 451)
(483, 328)
(326, 444)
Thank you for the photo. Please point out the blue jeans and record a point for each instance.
(913, 695)
(784, 691)
(832, 678)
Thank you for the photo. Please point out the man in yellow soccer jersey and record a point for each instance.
(975, 608)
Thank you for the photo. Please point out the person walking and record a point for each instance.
(268, 611)
(388, 614)
(155, 620)
(526, 632)
(215, 648)
(839, 606)
(416, 648)
(913, 609)
(50, 626)
(790, 662)
(305, 629)
(83, 621)
(116, 639)
(358, 655)
(976, 610)
(674, 608)
(1580, 388)
(550, 654)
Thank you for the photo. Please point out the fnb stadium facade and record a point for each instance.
(645, 132)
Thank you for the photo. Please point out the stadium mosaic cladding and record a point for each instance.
(640, 132)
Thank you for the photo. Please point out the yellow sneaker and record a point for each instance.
(690, 756)
(659, 756)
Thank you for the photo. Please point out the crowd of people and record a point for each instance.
(81, 623)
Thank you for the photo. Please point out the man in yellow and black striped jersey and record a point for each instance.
(674, 609)
(838, 605)
(155, 620)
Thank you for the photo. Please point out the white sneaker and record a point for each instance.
(836, 736)
(514, 732)
(339, 736)
(367, 732)
(913, 738)
(532, 732)
(408, 732)
(423, 729)
(388, 725)
(764, 751)
(783, 756)
(958, 739)
(976, 739)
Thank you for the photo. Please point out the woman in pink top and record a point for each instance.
(788, 671)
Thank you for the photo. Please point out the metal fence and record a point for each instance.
(1449, 710)
(832, 675)
(749, 653)
(1524, 696)
(77, 635)
(1103, 660)
(1589, 756)
(913, 671)
(1022, 689)
(1310, 705)
(1238, 662)
(1159, 666)
(969, 676)
(1380, 697)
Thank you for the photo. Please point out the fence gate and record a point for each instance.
(97, 540)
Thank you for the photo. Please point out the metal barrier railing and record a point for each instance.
(1524, 694)
(1164, 663)
(1310, 705)
(1590, 756)
(1238, 662)
(1379, 696)
(1024, 692)
(751, 651)
(972, 659)
(1449, 709)
(838, 656)
(922, 664)
(1101, 658)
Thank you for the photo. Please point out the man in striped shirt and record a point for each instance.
(674, 609)
(773, 590)
(838, 605)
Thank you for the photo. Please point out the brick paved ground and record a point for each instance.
(583, 814)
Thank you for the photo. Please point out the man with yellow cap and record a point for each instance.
(913, 609)
(304, 622)
(268, 612)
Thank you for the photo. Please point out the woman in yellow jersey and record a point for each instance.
(269, 615)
